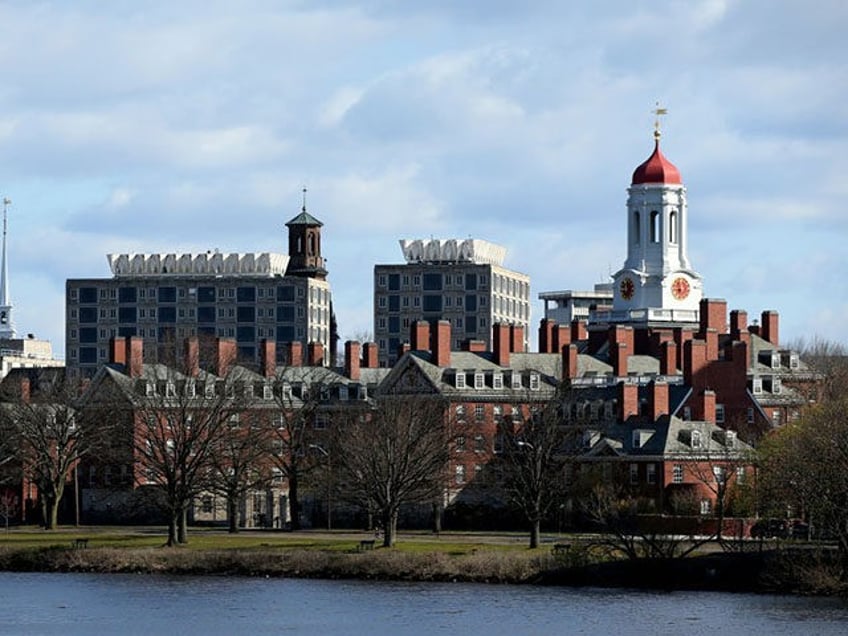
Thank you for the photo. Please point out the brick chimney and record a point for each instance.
(562, 338)
(711, 338)
(441, 350)
(500, 344)
(134, 357)
(192, 356)
(668, 358)
(315, 354)
(619, 353)
(117, 350)
(295, 354)
(474, 346)
(369, 356)
(516, 338)
(353, 352)
(225, 356)
(705, 406)
(403, 347)
(713, 315)
(546, 335)
(738, 323)
(569, 362)
(25, 389)
(578, 330)
(769, 325)
(681, 337)
(694, 363)
(628, 400)
(268, 351)
(420, 336)
(659, 400)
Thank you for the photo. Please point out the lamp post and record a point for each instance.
(329, 457)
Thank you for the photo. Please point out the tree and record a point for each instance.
(395, 455)
(50, 436)
(535, 459)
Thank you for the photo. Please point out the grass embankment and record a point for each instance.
(450, 557)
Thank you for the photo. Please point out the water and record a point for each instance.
(75, 604)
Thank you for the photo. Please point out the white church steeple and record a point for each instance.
(7, 326)
(657, 282)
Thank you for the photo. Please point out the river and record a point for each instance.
(77, 604)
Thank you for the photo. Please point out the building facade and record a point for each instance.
(461, 281)
(166, 298)
(564, 307)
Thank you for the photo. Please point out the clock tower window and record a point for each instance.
(655, 227)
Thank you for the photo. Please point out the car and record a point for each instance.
(768, 528)
(800, 530)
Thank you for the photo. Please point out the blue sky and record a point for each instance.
(191, 125)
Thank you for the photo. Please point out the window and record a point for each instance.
(516, 380)
(652, 473)
(655, 227)
(206, 506)
(479, 381)
(637, 439)
(534, 381)
(730, 439)
(720, 474)
(740, 474)
(497, 381)
(677, 474)
(497, 410)
(460, 474)
(321, 422)
(479, 443)
(672, 227)
(696, 439)
(636, 228)
(479, 412)
(705, 506)
(634, 473)
(757, 386)
(719, 413)
(460, 412)
(234, 420)
(750, 418)
(170, 390)
(775, 417)
(460, 443)
(687, 413)
(460, 380)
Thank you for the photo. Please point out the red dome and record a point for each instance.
(657, 169)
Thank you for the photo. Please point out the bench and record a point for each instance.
(561, 548)
(78, 544)
(366, 544)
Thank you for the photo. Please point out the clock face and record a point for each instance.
(680, 288)
(626, 288)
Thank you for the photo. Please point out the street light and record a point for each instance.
(329, 457)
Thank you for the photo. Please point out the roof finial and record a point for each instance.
(304, 199)
(658, 111)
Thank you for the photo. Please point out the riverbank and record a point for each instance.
(793, 571)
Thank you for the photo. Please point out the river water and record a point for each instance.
(76, 604)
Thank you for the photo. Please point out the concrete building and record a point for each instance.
(564, 307)
(461, 281)
(166, 298)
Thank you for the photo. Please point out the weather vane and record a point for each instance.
(658, 111)
(304, 198)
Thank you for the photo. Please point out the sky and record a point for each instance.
(194, 125)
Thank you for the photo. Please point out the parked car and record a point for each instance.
(800, 530)
(768, 528)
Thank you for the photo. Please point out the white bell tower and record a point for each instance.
(657, 282)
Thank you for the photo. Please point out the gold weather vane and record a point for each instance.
(658, 111)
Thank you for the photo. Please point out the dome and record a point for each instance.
(657, 169)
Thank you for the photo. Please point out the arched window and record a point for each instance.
(311, 244)
(655, 227)
(672, 227)
(636, 229)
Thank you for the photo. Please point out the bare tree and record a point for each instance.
(47, 431)
(536, 458)
(396, 455)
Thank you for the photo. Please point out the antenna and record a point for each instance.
(304, 199)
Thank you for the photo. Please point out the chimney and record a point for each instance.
(26, 389)
(403, 347)
(134, 357)
(713, 315)
(681, 336)
(578, 330)
(569, 362)
(315, 354)
(659, 400)
(353, 352)
(668, 358)
(192, 356)
(370, 356)
(621, 334)
(706, 407)
(516, 338)
(500, 344)
(117, 350)
(711, 338)
(546, 336)
(226, 356)
(694, 363)
(738, 323)
(562, 337)
(628, 400)
(268, 349)
(420, 336)
(295, 354)
(441, 350)
(769, 322)
(619, 353)
(474, 346)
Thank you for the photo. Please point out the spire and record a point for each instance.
(7, 327)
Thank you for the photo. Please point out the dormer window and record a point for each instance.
(696, 439)
(248, 390)
(775, 360)
(794, 362)
(190, 388)
(149, 389)
(209, 390)
(516, 380)
(479, 380)
(343, 392)
(287, 393)
(459, 380)
(534, 381)
(775, 384)
(757, 386)
(267, 392)
(497, 381)
(730, 439)
(719, 413)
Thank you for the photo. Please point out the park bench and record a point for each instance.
(366, 544)
(561, 548)
(79, 543)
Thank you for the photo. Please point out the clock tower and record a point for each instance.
(657, 282)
